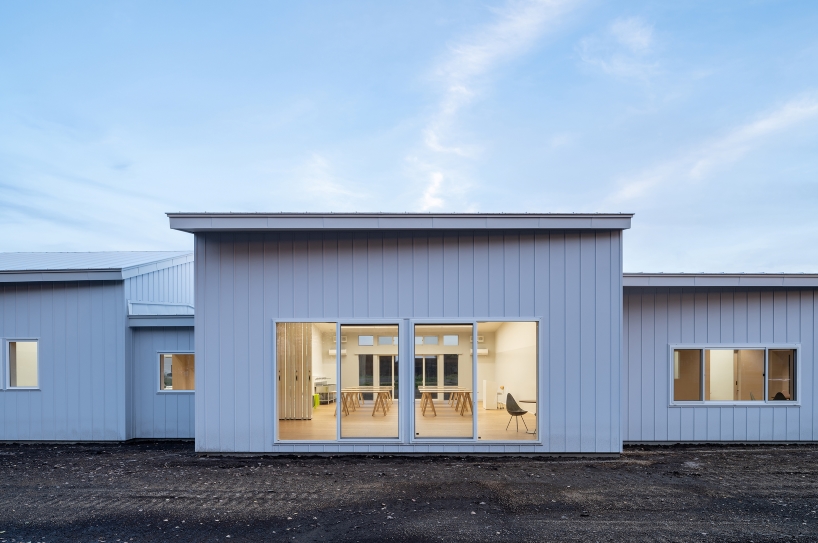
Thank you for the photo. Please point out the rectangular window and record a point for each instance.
(176, 371)
(306, 382)
(368, 404)
(733, 375)
(451, 340)
(444, 399)
(781, 379)
(22, 364)
(687, 375)
(507, 392)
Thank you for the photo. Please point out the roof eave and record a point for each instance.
(781, 280)
(204, 222)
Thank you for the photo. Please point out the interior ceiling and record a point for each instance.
(487, 327)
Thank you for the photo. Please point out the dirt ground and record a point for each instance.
(166, 492)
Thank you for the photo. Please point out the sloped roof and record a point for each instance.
(91, 266)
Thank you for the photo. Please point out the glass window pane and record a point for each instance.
(734, 374)
(177, 371)
(22, 364)
(306, 391)
(507, 381)
(444, 399)
(451, 339)
(387, 340)
(781, 380)
(687, 375)
(368, 404)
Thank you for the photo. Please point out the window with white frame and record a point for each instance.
(176, 372)
(22, 366)
(734, 374)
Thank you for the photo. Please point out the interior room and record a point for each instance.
(507, 375)
(444, 399)
(306, 381)
(368, 396)
(734, 374)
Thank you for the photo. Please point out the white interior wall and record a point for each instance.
(349, 362)
(721, 374)
(516, 361)
(485, 364)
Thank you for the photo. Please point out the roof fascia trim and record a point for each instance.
(195, 222)
(720, 280)
(59, 276)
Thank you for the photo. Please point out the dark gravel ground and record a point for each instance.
(166, 492)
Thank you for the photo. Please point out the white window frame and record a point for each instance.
(6, 385)
(766, 347)
(160, 390)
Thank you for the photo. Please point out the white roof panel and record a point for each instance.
(104, 265)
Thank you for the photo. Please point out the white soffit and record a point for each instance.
(203, 222)
(720, 280)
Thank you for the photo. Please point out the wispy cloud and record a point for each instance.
(625, 49)
(317, 184)
(431, 196)
(464, 72)
(697, 164)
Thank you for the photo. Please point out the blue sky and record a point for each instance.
(700, 117)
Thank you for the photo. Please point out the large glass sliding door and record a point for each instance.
(507, 398)
(368, 403)
(444, 399)
(306, 391)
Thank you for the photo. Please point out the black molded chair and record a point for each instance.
(515, 411)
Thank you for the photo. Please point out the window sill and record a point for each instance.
(771, 403)
(13, 389)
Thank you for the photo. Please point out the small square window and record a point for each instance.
(366, 341)
(23, 364)
(176, 372)
(451, 340)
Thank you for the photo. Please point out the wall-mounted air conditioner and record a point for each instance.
(480, 352)
(332, 352)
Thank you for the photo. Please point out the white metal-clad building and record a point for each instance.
(384, 311)
(401, 333)
(765, 325)
(82, 345)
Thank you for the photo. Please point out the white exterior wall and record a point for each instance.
(654, 318)
(571, 280)
(81, 328)
(159, 414)
(170, 285)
